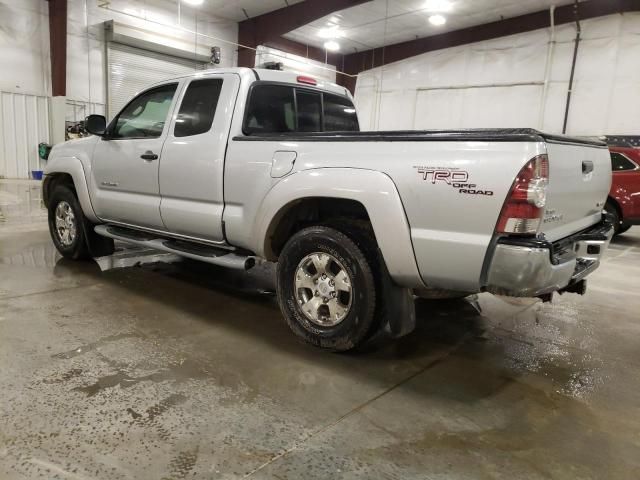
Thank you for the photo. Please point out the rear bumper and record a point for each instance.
(532, 267)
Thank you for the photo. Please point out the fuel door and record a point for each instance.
(282, 163)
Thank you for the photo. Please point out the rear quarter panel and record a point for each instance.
(450, 230)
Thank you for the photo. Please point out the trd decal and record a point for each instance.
(454, 177)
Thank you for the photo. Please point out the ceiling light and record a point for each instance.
(332, 46)
(330, 32)
(438, 6)
(437, 20)
(195, 3)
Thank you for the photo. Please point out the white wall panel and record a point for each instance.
(24, 46)
(24, 123)
(555, 107)
(500, 83)
(365, 105)
(396, 110)
(25, 62)
(624, 109)
(295, 63)
(24, 40)
(448, 104)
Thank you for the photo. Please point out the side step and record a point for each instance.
(196, 251)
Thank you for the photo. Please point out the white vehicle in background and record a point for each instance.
(226, 166)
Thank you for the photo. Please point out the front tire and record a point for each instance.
(66, 224)
(326, 289)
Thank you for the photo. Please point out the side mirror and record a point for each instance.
(96, 125)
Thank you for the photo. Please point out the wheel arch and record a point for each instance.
(366, 195)
(305, 211)
(69, 171)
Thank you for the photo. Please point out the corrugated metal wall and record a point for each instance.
(131, 70)
(24, 123)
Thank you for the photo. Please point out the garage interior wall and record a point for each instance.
(131, 69)
(296, 63)
(26, 69)
(501, 83)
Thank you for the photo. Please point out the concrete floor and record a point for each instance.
(182, 370)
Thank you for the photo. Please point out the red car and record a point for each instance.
(624, 198)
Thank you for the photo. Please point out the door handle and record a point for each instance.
(149, 155)
(587, 167)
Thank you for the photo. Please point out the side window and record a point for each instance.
(271, 110)
(309, 111)
(145, 115)
(198, 107)
(339, 114)
(620, 163)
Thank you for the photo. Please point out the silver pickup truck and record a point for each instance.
(226, 166)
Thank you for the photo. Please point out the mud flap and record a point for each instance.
(98, 245)
(397, 311)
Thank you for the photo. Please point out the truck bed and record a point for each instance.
(453, 217)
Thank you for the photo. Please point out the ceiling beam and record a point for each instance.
(268, 29)
(365, 60)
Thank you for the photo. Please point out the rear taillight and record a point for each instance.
(523, 209)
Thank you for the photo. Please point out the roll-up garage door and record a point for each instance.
(132, 69)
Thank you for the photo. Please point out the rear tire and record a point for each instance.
(331, 306)
(66, 224)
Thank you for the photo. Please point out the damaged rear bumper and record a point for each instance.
(522, 267)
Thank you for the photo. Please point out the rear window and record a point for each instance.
(285, 109)
(620, 163)
(339, 114)
(271, 110)
(309, 111)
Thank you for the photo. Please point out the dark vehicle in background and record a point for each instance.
(624, 197)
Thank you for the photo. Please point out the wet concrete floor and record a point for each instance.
(183, 370)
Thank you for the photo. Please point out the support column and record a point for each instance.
(58, 48)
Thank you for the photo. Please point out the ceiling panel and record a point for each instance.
(384, 22)
(235, 10)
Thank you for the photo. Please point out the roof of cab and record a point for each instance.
(270, 76)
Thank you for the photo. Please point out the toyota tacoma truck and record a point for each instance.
(232, 165)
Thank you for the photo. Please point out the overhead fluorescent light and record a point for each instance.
(330, 32)
(436, 6)
(195, 3)
(437, 20)
(332, 46)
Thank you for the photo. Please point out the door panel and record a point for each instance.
(192, 163)
(125, 185)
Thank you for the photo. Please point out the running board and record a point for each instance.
(196, 251)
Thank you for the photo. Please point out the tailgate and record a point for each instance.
(579, 182)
